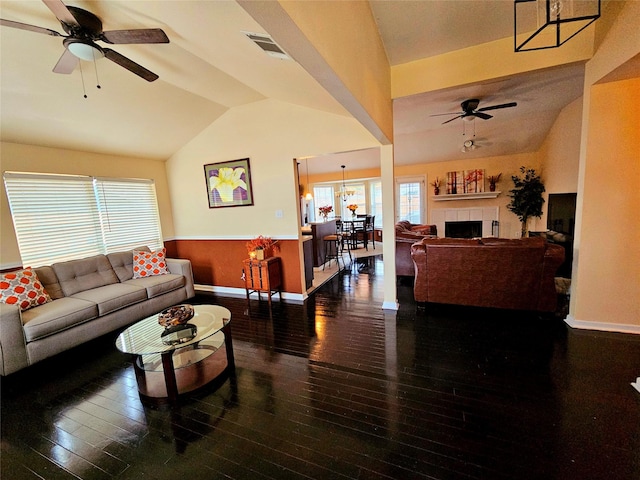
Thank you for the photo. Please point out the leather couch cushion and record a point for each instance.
(110, 298)
(516, 242)
(56, 316)
(84, 274)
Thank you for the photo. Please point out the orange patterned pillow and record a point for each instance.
(148, 264)
(22, 288)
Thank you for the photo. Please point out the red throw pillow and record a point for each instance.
(22, 288)
(148, 264)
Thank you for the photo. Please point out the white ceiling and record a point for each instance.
(210, 66)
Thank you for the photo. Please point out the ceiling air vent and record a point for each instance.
(267, 44)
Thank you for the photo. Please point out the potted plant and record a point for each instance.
(353, 207)
(261, 247)
(325, 211)
(436, 186)
(526, 197)
(493, 180)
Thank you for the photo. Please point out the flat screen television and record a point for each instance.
(561, 213)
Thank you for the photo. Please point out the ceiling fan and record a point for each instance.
(469, 110)
(84, 29)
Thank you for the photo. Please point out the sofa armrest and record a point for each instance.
(420, 284)
(180, 266)
(13, 347)
(553, 258)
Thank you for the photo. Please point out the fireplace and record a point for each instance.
(487, 217)
(469, 229)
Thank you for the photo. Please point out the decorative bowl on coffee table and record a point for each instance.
(176, 315)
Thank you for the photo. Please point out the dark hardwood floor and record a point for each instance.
(337, 388)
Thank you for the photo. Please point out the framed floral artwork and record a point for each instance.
(229, 183)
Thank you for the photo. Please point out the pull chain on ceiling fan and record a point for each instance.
(84, 29)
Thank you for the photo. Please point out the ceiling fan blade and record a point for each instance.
(130, 65)
(454, 118)
(143, 35)
(31, 28)
(61, 11)
(494, 107)
(67, 63)
(483, 116)
(441, 114)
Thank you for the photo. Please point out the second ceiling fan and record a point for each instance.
(470, 109)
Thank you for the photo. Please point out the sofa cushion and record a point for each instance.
(515, 242)
(84, 274)
(56, 316)
(122, 263)
(148, 264)
(50, 281)
(22, 288)
(159, 284)
(110, 298)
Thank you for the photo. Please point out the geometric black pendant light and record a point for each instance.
(540, 24)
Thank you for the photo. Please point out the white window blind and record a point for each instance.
(64, 217)
(128, 213)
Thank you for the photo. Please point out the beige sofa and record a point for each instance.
(90, 297)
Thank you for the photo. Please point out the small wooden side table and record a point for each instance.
(262, 276)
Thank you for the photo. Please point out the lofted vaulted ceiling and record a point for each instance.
(210, 66)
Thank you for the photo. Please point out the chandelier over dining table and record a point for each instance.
(344, 192)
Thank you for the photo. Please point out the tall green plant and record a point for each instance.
(526, 197)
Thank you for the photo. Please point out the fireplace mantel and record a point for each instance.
(464, 196)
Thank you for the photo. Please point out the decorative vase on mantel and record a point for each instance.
(436, 190)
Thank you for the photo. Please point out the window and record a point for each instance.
(64, 217)
(358, 198)
(375, 192)
(323, 196)
(410, 202)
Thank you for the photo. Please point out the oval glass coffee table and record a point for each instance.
(173, 361)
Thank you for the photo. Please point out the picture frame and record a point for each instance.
(229, 183)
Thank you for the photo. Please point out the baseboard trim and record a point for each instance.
(240, 292)
(602, 326)
(390, 305)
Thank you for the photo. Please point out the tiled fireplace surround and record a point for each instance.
(439, 217)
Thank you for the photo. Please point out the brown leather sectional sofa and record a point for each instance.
(406, 235)
(488, 272)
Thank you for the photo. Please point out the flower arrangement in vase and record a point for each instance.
(436, 186)
(261, 247)
(325, 211)
(352, 207)
(493, 179)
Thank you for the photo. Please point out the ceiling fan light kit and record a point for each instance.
(468, 145)
(83, 49)
(84, 29)
(542, 24)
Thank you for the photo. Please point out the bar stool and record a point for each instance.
(344, 232)
(333, 250)
(334, 247)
